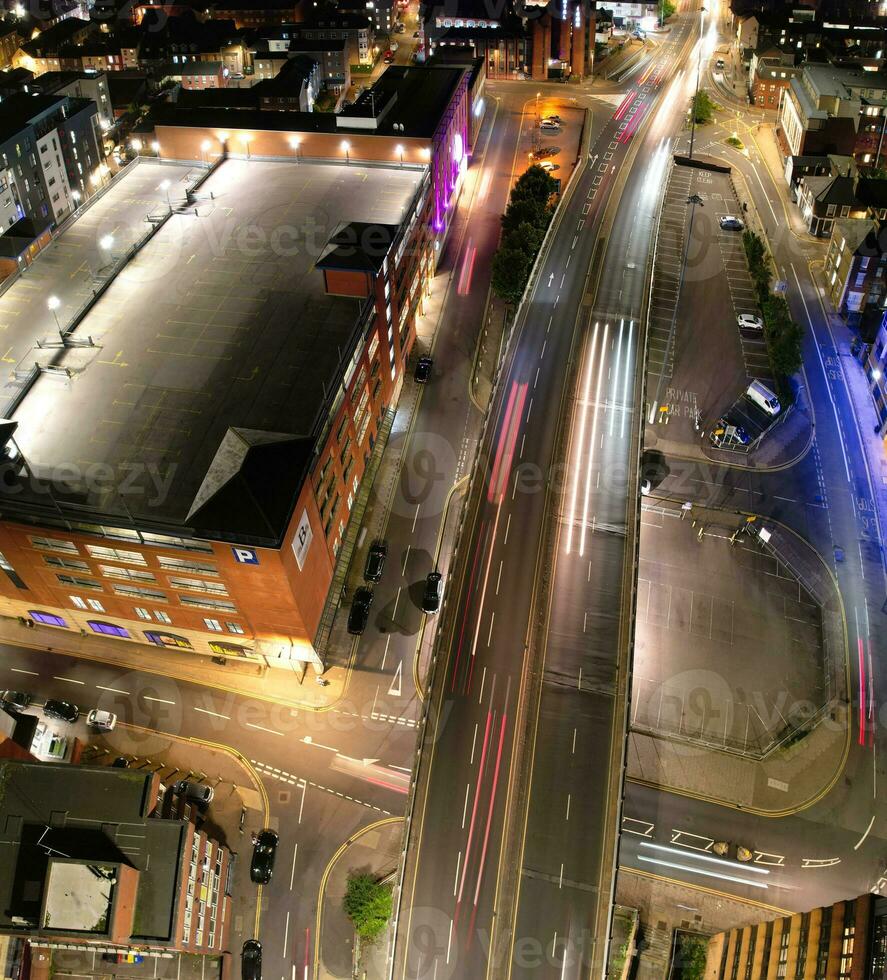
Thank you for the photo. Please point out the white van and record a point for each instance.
(759, 394)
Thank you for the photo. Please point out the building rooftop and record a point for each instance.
(55, 820)
(18, 111)
(855, 232)
(230, 345)
(842, 83)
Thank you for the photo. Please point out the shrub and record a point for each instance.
(368, 905)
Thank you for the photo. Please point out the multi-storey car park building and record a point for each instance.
(93, 857)
(194, 491)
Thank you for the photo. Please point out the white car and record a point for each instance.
(549, 127)
(748, 321)
(549, 166)
(103, 721)
(729, 222)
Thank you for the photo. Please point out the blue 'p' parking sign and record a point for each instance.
(246, 556)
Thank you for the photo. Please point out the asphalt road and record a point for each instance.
(456, 887)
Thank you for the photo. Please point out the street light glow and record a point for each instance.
(106, 241)
(136, 145)
(346, 146)
(155, 146)
(53, 302)
(205, 145)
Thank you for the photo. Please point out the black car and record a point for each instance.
(372, 570)
(121, 762)
(423, 369)
(360, 611)
(15, 701)
(251, 960)
(61, 710)
(431, 595)
(265, 850)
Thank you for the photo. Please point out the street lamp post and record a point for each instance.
(346, 148)
(54, 303)
(164, 186)
(295, 143)
(204, 149)
(399, 150)
(698, 71)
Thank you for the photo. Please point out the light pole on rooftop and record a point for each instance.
(54, 303)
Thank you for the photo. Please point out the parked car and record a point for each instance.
(104, 721)
(748, 321)
(121, 762)
(729, 222)
(549, 166)
(553, 119)
(372, 570)
(415, 33)
(251, 960)
(423, 369)
(549, 127)
(15, 701)
(388, 57)
(197, 793)
(61, 710)
(265, 850)
(545, 151)
(431, 595)
(719, 64)
(360, 611)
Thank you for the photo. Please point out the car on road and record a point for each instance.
(553, 119)
(550, 167)
(415, 33)
(251, 960)
(423, 369)
(121, 762)
(61, 710)
(725, 431)
(196, 793)
(549, 127)
(431, 595)
(400, 28)
(375, 563)
(261, 866)
(545, 151)
(360, 611)
(103, 721)
(15, 701)
(729, 222)
(748, 321)
(719, 64)
(388, 57)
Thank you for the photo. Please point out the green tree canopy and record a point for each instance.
(368, 905)
(536, 183)
(511, 269)
(702, 107)
(525, 210)
(525, 238)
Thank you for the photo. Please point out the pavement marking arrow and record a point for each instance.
(396, 683)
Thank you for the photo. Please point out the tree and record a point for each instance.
(536, 183)
(702, 107)
(666, 9)
(524, 211)
(368, 904)
(525, 237)
(691, 955)
(511, 270)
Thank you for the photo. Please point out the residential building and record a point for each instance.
(381, 13)
(20, 244)
(823, 200)
(184, 39)
(643, 14)
(333, 63)
(847, 939)
(876, 372)
(258, 13)
(827, 109)
(106, 53)
(45, 52)
(234, 554)
(856, 269)
(141, 880)
(294, 87)
(51, 157)
(12, 36)
(769, 76)
(92, 85)
(872, 194)
(356, 30)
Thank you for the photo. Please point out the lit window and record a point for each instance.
(47, 619)
(95, 605)
(235, 628)
(161, 616)
(107, 629)
(142, 613)
(213, 624)
(78, 601)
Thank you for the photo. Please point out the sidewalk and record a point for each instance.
(245, 678)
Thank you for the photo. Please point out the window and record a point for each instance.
(115, 554)
(95, 605)
(213, 624)
(54, 544)
(234, 628)
(198, 585)
(107, 629)
(142, 613)
(161, 616)
(207, 603)
(168, 640)
(79, 602)
(47, 619)
(112, 571)
(11, 573)
(137, 593)
(83, 583)
(187, 565)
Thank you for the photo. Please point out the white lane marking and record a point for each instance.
(301, 808)
(859, 843)
(406, 555)
(521, 455)
(286, 931)
(113, 690)
(215, 714)
(416, 517)
(560, 884)
(148, 697)
(530, 409)
(458, 865)
(473, 743)
(385, 653)
(507, 526)
(702, 871)
(574, 742)
(499, 577)
(70, 680)
(449, 941)
(261, 728)
(295, 855)
(492, 620)
(569, 799)
(465, 805)
(397, 682)
(21, 670)
(483, 678)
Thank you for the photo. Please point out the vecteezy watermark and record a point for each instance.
(136, 480)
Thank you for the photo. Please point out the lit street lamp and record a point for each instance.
(54, 303)
(399, 150)
(346, 149)
(164, 186)
(136, 145)
(295, 143)
(204, 149)
(107, 242)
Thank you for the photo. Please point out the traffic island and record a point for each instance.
(740, 670)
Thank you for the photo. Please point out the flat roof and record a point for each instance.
(78, 897)
(221, 322)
